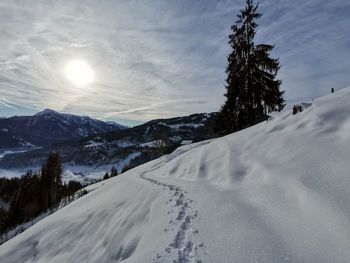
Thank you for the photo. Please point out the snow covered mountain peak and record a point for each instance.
(67, 116)
(48, 127)
(275, 192)
(45, 112)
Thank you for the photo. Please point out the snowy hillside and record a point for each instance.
(276, 192)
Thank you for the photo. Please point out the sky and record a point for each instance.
(159, 58)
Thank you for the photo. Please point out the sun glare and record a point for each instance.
(79, 72)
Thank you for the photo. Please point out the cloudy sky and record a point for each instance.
(159, 58)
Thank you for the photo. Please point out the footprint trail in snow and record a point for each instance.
(184, 246)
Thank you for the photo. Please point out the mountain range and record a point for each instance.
(48, 127)
(93, 145)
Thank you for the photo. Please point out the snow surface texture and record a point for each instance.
(22, 227)
(276, 192)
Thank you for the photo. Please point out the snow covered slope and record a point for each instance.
(276, 192)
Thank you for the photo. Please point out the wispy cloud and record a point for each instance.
(159, 58)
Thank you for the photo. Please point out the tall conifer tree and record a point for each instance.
(252, 90)
(51, 181)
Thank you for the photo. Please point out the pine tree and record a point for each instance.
(106, 176)
(51, 181)
(44, 184)
(114, 172)
(252, 90)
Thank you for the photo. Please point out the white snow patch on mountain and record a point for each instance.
(178, 126)
(93, 144)
(185, 142)
(124, 143)
(152, 144)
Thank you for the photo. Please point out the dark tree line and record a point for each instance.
(113, 173)
(34, 193)
(252, 90)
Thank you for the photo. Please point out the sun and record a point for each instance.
(79, 72)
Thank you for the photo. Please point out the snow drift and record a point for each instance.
(276, 192)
